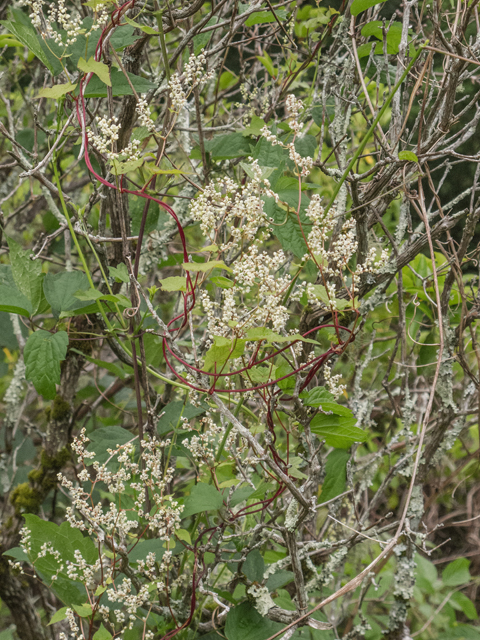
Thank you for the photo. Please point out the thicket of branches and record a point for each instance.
(239, 318)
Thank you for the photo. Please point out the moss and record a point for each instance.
(60, 408)
(36, 475)
(56, 462)
(77, 341)
(26, 499)
(48, 413)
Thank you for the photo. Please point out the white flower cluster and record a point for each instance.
(74, 629)
(335, 255)
(58, 18)
(125, 594)
(294, 106)
(239, 208)
(371, 264)
(257, 273)
(194, 74)
(143, 112)
(332, 382)
(203, 446)
(321, 226)
(148, 473)
(105, 142)
(259, 270)
(303, 164)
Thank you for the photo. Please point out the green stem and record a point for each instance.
(369, 133)
(158, 15)
(227, 431)
(77, 244)
(105, 278)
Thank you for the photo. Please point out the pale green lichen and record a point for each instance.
(262, 598)
(291, 516)
(403, 586)
(326, 574)
(416, 507)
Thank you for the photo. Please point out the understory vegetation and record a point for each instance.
(239, 319)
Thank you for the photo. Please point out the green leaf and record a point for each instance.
(59, 287)
(57, 91)
(223, 283)
(42, 354)
(93, 4)
(264, 17)
(85, 46)
(18, 553)
(148, 30)
(65, 540)
(456, 573)
(279, 579)
(362, 5)
(182, 534)
(408, 155)
(245, 623)
(61, 614)
(83, 610)
(294, 471)
(464, 604)
(106, 438)
(242, 493)
(142, 548)
(120, 86)
(222, 350)
(102, 633)
(321, 293)
(12, 301)
(335, 474)
(288, 384)
(26, 273)
(100, 69)
(254, 566)
(268, 64)
(202, 40)
(316, 397)
(174, 283)
(120, 273)
(255, 129)
(156, 218)
(364, 50)
(262, 333)
(266, 171)
(269, 155)
(320, 397)
(114, 369)
(338, 431)
(260, 375)
(286, 224)
(119, 168)
(229, 145)
(425, 569)
(7, 335)
(88, 294)
(205, 266)
(172, 412)
(204, 497)
(393, 36)
(28, 37)
(306, 146)
(168, 172)
(460, 632)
